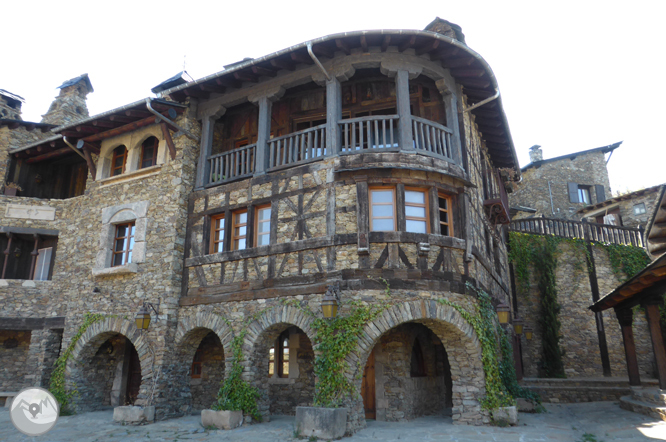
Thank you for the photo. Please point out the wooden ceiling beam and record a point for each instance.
(491, 131)
(474, 83)
(55, 154)
(385, 42)
(88, 129)
(468, 73)
(281, 63)
(300, 57)
(246, 76)
(81, 144)
(264, 71)
(445, 53)
(494, 139)
(121, 130)
(428, 47)
(481, 94)
(212, 88)
(196, 93)
(461, 62)
(407, 43)
(364, 43)
(343, 46)
(178, 96)
(121, 119)
(102, 123)
(137, 113)
(229, 82)
(322, 51)
(486, 113)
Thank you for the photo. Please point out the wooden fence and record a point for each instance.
(604, 233)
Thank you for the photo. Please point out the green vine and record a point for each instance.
(508, 372)
(57, 383)
(626, 261)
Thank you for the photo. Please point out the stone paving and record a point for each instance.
(586, 422)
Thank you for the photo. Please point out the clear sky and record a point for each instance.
(573, 75)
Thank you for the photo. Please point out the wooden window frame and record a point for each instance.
(128, 249)
(214, 229)
(425, 205)
(278, 356)
(582, 191)
(448, 210)
(257, 221)
(395, 215)
(196, 363)
(153, 159)
(235, 226)
(114, 157)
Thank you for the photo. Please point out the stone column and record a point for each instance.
(450, 99)
(625, 318)
(651, 306)
(43, 351)
(404, 113)
(207, 128)
(265, 103)
(333, 116)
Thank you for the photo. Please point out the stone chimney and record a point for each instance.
(446, 28)
(536, 154)
(10, 105)
(70, 104)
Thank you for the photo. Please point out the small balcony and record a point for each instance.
(496, 201)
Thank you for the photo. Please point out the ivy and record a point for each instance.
(508, 372)
(626, 261)
(57, 383)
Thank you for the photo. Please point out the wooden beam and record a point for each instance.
(344, 47)
(445, 53)
(478, 93)
(491, 130)
(167, 136)
(91, 163)
(474, 83)
(264, 71)
(282, 63)
(407, 44)
(486, 113)
(106, 124)
(83, 145)
(498, 140)
(430, 46)
(462, 62)
(385, 42)
(121, 130)
(212, 88)
(88, 129)
(364, 43)
(137, 113)
(196, 93)
(246, 76)
(54, 322)
(468, 73)
(301, 57)
(323, 51)
(47, 156)
(121, 119)
(229, 82)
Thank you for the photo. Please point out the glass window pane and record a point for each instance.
(443, 203)
(131, 244)
(129, 257)
(120, 245)
(382, 211)
(220, 223)
(271, 368)
(241, 218)
(285, 368)
(382, 225)
(414, 197)
(382, 196)
(218, 247)
(418, 212)
(444, 217)
(264, 227)
(118, 259)
(264, 214)
(240, 244)
(416, 226)
(242, 231)
(121, 231)
(263, 240)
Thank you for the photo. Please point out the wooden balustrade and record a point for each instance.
(373, 132)
(432, 137)
(298, 147)
(227, 166)
(605, 233)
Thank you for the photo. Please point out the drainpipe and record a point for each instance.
(74, 148)
(170, 123)
(316, 60)
(481, 103)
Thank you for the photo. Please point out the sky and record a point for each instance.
(573, 75)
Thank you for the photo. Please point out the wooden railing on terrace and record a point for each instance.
(298, 147)
(230, 165)
(373, 132)
(605, 233)
(432, 137)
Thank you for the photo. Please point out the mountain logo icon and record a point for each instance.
(34, 411)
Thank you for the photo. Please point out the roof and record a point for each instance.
(617, 199)
(650, 280)
(11, 96)
(467, 67)
(29, 125)
(655, 232)
(73, 81)
(171, 82)
(571, 156)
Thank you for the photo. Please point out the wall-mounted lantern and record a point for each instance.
(329, 305)
(142, 318)
(503, 311)
(518, 326)
(528, 333)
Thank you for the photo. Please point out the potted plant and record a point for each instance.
(11, 188)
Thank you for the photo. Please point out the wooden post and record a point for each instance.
(404, 113)
(598, 316)
(167, 137)
(203, 168)
(263, 135)
(625, 318)
(34, 255)
(7, 251)
(90, 163)
(333, 116)
(652, 312)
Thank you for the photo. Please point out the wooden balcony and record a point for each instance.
(604, 233)
(496, 201)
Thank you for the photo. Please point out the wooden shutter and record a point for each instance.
(600, 193)
(573, 192)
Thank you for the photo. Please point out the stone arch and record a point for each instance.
(278, 395)
(459, 339)
(85, 350)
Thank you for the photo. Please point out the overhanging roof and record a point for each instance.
(603, 149)
(28, 125)
(467, 67)
(617, 199)
(655, 232)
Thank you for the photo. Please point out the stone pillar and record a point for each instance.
(333, 115)
(450, 99)
(651, 306)
(43, 351)
(404, 113)
(265, 103)
(207, 128)
(625, 318)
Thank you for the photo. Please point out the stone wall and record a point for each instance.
(205, 388)
(12, 139)
(580, 341)
(533, 190)
(14, 351)
(625, 204)
(297, 390)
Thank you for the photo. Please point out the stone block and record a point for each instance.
(507, 415)
(134, 415)
(222, 419)
(525, 405)
(323, 423)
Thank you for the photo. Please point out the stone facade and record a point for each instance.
(545, 184)
(70, 104)
(634, 209)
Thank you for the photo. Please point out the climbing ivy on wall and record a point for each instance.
(626, 261)
(57, 383)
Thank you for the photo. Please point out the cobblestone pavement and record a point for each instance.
(602, 421)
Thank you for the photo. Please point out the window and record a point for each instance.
(118, 161)
(382, 209)
(584, 194)
(278, 356)
(445, 224)
(217, 234)
(416, 209)
(639, 209)
(239, 230)
(263, 222)
(27, 256)
(43, 264)
(149, 152)
(123, 244)
(196, 364)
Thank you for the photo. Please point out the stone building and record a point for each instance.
(558, 187)
(359, 160)
(632, 209)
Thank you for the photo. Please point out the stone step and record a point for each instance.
(646, 408)
(583, 382)
(654, 396)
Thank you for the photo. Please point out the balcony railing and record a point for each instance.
(432, 137)
(496, 201)
(605, 233)
(234, 164)
(299, 147)
(365, 133)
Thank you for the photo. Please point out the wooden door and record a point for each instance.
(133, 377)
(368, 388)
